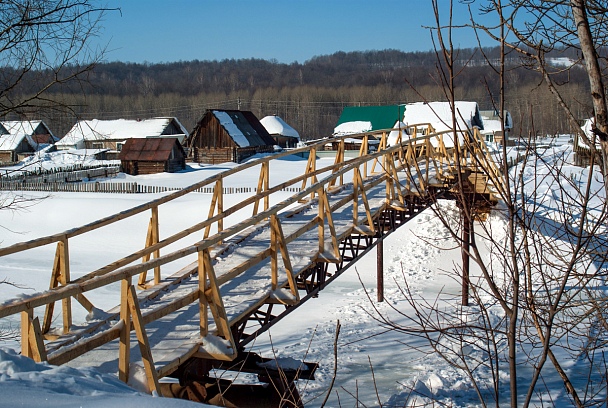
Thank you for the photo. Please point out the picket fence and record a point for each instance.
(114, 187)
(66, 175)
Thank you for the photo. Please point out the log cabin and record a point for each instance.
(228, 135)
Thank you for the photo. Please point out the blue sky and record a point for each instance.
(286, 30)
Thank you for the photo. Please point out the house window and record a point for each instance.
(490, 138)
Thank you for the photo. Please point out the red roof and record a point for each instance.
(149, 149)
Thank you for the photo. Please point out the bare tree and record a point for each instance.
(533, 302)
(44, 45)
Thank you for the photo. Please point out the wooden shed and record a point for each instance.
(152, 155)
(228, 135)
(283, 134)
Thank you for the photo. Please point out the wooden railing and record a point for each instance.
(408, 167)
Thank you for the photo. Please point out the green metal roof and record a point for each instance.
(381, 117)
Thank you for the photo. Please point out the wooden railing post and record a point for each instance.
(26, 316)
(217, 202)
(338, 161)
(278, 244)
(210, 298)
(311, 167)
(32, 343)
(325, 215)
(152, 238)
(359, 190)
(142, 339)
(64, 278)
(124, 348)
(263, 186)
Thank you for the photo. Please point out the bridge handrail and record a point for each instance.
(169, 197)
(82, 285)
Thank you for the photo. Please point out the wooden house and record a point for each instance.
(152, 155)
(113, 134)
(283, 134)
(19, 139)
(228, 135)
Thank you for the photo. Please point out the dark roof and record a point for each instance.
(381, 117)
(149, 149)
(249, 125)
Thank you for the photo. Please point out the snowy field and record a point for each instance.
(375, 366)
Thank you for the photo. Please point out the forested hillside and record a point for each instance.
(311, 95)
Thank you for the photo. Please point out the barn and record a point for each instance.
(152, 155)
(19, 139)
(228, 135)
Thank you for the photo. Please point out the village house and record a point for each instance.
(20, 139)
(113, 134)
(283, 134)
(152, 155)
(228, 135)
(492, 127)
(439, 115)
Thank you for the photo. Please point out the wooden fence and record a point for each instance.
(77, 173)
(115, 187)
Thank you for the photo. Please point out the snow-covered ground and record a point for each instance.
(375, 366)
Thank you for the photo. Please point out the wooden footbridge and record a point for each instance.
(246, 276)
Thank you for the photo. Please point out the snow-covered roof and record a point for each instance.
(243, 127)
(232, 129)
(491, 121)
(491, 126)
(439, 114)
(118, 129)
(277, 126)
(361, 119)
(19, 130)
(349, 128)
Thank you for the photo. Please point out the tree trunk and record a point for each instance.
(579, 13)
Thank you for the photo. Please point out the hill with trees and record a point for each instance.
(309, 95)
